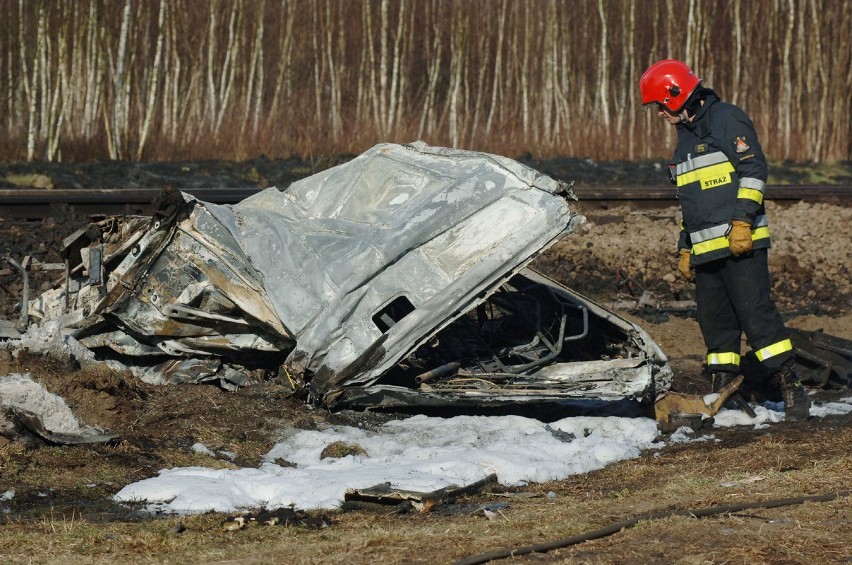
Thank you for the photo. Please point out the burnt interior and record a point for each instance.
(522, 327)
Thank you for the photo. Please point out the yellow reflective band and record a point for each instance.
(750, 194)
(723, 359)
(710, 245)
(759, 233)
(710, 177)
(773, 350)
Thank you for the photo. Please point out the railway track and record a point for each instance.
(34, 203)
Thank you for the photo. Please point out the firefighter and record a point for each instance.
(720, 173)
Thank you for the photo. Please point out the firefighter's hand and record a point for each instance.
(683, 264)
(739, 238)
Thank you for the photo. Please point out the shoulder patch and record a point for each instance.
(701, 148)
(740, 145)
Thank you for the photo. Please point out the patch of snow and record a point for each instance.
(424, 454)
(684, 435)
(844, 406)
(419, 453)
(768, 413)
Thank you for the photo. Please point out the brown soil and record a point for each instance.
(61, 510)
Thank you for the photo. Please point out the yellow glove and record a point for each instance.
(739, 238)
(683, 264)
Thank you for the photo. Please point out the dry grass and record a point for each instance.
(780, 462)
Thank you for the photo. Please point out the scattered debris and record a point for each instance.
(822, 360)
(676, 409)
(491, 510)
(647, 301)
(517, 494)
(28, 411)
(383, 496)
(338, 449)
(279, 517)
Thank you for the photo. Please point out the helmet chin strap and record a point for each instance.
(684, 117)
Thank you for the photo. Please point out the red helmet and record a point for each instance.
(668, 82)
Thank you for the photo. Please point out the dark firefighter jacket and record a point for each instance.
(720, 172)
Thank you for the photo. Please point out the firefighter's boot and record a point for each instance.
(720, 379)
(796, 402)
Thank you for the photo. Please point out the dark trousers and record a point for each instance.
(733, 297)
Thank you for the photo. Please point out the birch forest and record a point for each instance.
(234, 79)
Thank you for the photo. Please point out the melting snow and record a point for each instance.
(424, 454)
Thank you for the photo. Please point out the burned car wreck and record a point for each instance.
(398, 279)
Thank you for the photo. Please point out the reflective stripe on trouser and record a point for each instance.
(723, 361)
(733, 297)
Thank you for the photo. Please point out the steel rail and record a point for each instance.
(17, 197)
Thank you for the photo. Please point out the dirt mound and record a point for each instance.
(623, 252)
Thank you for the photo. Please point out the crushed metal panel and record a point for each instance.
(427, 227)
(172, 290)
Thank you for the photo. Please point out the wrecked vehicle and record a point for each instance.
(398, 279)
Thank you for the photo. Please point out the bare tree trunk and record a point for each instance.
(549, 74)
(32, 89)
(334, 71)
(690, 42)
(44, 90)
(171, 86)
(96, 71)
(383, 67)
(403, 106)
(498, 67)
(736, 64)
(433, 71)
(375, 102)
(255, 73)
(670, 25)
(786, 80)
(60, 98)
(211, 62)
(457, 70)
(282, 81)
(398, 58)
(11, 81)
(479, 90)
(630, 58)
(525, 86)
(118, 139)
(603, 66)
(318, 65)
(231, 64)
(154, 84)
